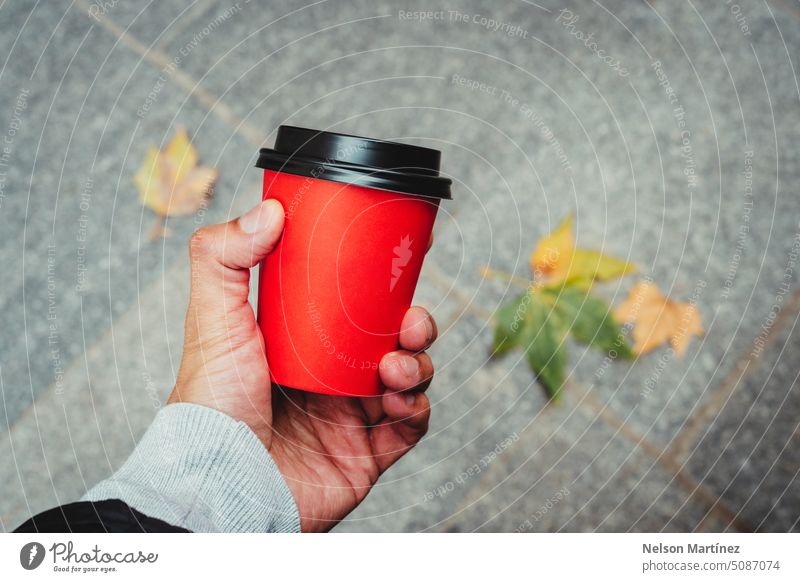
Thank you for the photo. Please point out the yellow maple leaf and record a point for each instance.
(170, 182)
(553, 255)
(555, 260)
(658, 320)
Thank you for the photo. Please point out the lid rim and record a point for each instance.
(418, 184)
(352, 159)
(359, 137)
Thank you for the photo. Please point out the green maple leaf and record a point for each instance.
(539, 321)
(508, 326)
(546, 348)
(589, 319)
(530, 323)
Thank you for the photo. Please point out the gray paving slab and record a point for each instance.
(71, 438)
(583, 478)
(78, 250)
(747, 451)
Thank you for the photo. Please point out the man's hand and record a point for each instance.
(330, 449)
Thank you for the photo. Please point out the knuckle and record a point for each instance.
(202, 243)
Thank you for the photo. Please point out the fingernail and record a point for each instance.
(259, 218)
(410, 366)
(429, 327)
(410, 399)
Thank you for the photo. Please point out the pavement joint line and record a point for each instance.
(161, 61)
(705, 523)
(698, 493)
(746, 364)
(189, 18)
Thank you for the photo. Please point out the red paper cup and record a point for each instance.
(359, 216)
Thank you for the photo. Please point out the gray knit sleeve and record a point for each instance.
(200, 469)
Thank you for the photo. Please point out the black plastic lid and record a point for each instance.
(374, 163)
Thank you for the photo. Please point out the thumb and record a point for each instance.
(223, 364)
(242, 242)
(222, 254)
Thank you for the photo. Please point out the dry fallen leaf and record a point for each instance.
(171, 183)
(555, 259)
(658, 320)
